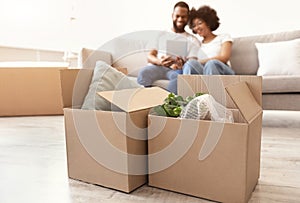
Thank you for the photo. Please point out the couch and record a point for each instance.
(281, 91)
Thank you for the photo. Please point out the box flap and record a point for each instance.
(67, 79)
(244, 100)
(136, 99)
(75, 84)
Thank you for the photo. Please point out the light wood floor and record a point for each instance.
(33, 165)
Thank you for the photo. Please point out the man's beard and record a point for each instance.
(177, 29)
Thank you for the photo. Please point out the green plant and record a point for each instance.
(173, 104)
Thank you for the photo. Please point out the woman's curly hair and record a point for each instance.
(206, 14)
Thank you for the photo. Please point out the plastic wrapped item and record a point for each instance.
(205, 107)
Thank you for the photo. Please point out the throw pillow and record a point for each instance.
(279, 58)
(105, 78)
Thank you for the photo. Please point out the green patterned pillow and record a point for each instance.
(105, 78)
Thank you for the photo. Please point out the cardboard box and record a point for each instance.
(107, 148)
(208, 159)
(30, 91)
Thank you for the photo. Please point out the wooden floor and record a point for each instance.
(33, 165)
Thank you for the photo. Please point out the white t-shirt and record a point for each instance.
(191, 37)
(213, 48)
(194, 46)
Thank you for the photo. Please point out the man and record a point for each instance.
(168, 67)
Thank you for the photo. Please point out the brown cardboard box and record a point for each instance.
(208, 159)
(30, 91)
(107, 148)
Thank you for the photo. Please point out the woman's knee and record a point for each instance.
(212, 62)
(216, 67)
(192, 66)
(211, 67)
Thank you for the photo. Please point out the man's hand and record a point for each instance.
(166, 61)
(178, 63)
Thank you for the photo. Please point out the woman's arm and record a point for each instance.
(224, 55)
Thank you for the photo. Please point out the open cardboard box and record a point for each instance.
(208, 159)
(107, 148)
(30, 91)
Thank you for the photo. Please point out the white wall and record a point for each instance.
(45, 23)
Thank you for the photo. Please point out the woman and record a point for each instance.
(215, 49)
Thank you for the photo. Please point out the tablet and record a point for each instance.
(176, 48)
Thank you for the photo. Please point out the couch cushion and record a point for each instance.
(281, 84)
(133, 62)
(161, 83)
(279, 58)
(88, 57)
(244, 58)
(281, 102)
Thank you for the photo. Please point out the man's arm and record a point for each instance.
(166, 61)
(152, 57)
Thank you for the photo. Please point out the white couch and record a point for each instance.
(280, 92)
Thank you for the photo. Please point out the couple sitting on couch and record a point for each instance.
(217, 49)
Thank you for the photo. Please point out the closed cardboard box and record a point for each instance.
(30, 91)
(209, 159)
(107, 148)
